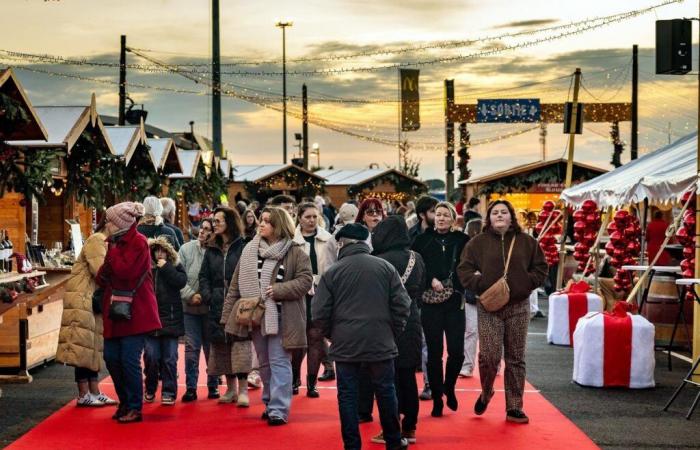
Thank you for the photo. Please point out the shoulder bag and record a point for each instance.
(496, 296)
(120, 301)
(431, 296)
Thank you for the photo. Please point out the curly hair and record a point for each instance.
(514, 225)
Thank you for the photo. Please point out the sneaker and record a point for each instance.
(378, 439)
(466, 374)
(167, 400)
(517, 416)
(106, 399)
(130, 417)
(189, 396)
(213, 394)
(539, 315)
(427, 394)
(149, 398)
(274, 421)
(89, 400)
(480, 406)
(254, 381)
(409, 435)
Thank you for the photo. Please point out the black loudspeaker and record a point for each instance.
(674, 52)
(568, 109)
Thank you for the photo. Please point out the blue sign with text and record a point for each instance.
(508, 110)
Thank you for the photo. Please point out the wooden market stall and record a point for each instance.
(386, 184)
(262, 181)
(191, 166)
(527, 186)
(164, 155)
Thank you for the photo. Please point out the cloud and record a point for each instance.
(527, 23)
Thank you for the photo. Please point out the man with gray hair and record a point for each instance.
(169, 217)
(362, 306)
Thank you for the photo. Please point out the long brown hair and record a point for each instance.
(514, 225)
(234, 226)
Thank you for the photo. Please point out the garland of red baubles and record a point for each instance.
(686, 237)
(586, 225)
(548, 241)
(624, 246)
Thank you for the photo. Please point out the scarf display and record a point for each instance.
(254, 279)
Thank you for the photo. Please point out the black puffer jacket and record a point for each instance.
(167, 282)
(441, 253)
(391, 242)
(214, 279)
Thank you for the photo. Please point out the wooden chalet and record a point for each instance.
(386, 184)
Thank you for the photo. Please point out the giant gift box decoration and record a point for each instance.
(566, 308)
(614, 349)
(586, 224)
(548, 223)
(623, 247)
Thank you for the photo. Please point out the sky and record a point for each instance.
(357, 103)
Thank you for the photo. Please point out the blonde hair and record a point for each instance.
(449, 206)
(281, 222)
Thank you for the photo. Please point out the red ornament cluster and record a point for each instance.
(586, 225)
(686, 237)
(624, 246)
(548, 241)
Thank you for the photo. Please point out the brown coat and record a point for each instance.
(482, 264)
(80, 338)
(290, 292)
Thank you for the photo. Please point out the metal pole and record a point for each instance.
(216, 81)
(284, 95)
(635, 102)
(398, 122)
(569, 176)
(122, 81)
(305, 126)
(449, 139)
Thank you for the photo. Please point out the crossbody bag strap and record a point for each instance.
(409, 267)
(510, 253)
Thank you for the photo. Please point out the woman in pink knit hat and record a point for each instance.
(127, 267)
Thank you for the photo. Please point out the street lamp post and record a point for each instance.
(284, 24)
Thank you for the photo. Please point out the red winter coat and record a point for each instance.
(127, 259)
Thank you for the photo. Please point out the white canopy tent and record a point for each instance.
(661, 176)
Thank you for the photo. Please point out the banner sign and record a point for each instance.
(410, 105)
(508, 110)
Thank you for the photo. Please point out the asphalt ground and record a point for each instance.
(612, 418)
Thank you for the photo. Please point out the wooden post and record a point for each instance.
(569, 176)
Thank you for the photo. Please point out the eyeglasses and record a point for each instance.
(373, 212)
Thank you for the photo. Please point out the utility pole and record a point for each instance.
(635, 101)
(122, 81)
(569, 175)
(449, 140)
(216, 80)
(305, 126)
(284, 24)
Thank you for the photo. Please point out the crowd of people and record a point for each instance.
(371, 291)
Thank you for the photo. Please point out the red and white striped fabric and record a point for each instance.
(614, 350)
(566, 308)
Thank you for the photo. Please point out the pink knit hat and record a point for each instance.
(123, 215)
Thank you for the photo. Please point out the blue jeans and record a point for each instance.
(275, 372)
(123, 359)
(196, 339)
(381, 374)
(161, 357)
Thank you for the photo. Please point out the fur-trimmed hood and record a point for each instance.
(162, 242)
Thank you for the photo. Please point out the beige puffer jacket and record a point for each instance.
(80, 339)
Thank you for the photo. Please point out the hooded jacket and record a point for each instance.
(128, 258)
(214, 279)
(361, 306)
(391, 243)
(152, 227)
(482, 263)
(168, 280)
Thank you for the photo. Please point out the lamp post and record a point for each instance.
(317, 150)
(283, 24)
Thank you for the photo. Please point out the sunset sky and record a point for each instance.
(179, 31)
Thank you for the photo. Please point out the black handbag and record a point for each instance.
(120, 302)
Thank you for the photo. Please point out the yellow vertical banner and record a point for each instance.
(410, 100)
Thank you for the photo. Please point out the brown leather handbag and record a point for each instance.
(496, 296)
(249, 311)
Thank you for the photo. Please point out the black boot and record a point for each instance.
(295, 386)
(311, 390)
(328, 375)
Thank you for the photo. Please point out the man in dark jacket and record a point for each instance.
(425, 210)
(362, 307)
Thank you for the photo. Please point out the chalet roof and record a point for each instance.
(350, 177)
(258, 172)
(189, 160)
(10, 86)
(526, 168)
(161, 151)
(126, 140)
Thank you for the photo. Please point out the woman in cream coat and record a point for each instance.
(80, 338)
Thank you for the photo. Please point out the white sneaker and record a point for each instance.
(106, 399)
(254, 381)
(89, 400)
(466, 374)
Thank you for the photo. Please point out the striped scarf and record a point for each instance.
(257, 264)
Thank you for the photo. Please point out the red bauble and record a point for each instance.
(580, 226)
(579, 215)
(555, 229)
(688, 264)
(581, 247)
(630, 231)
(683, 237)
(688, 273)
(689, 221)
(543, 216)
(688, 252)
(633, 248)
(616, 262)
(621, 217)
(548, 205)
(610, 249)
(687, 195)
(589, 206)
(689, 296)
(547, 240)
(618, 239)
(592, 220)
(539, 227)
(630, 261)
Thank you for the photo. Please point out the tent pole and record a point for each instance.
(696, 311)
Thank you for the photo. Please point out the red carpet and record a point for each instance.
(314, 424)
